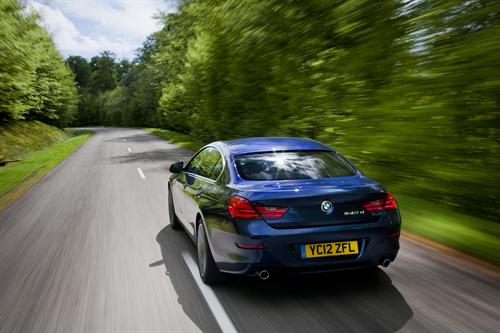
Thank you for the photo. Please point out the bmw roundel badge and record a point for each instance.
(327, 207)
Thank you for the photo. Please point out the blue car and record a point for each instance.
(257, 206)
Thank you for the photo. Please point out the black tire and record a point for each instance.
(174, 221)
(373, 270)
(209, 272)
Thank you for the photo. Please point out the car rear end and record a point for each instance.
(308, 212)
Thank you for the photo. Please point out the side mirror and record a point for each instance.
(177, 167)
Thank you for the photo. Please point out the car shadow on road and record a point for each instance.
(137, 138)
(172, 244)
(343, 301)
(150, 156)
(168, 153)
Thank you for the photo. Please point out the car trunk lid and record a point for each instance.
(314, 203)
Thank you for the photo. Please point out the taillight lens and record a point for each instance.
(390, 202)
(271, 212)
(242, 209)
(382, 204)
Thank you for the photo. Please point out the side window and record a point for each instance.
(217, 169)
(207, 163)
(194, 165)
(225, 177)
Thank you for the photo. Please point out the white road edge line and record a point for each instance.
(141, 173)
(221, 316)
(129, 149)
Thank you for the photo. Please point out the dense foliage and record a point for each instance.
(408, 90)
(34, 80)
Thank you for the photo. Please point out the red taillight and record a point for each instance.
(242, 209)
(388, 203)
(271, 212)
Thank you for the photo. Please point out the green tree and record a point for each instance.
(174, 107)
(104, 76)
(55, 94)
(17, 62)
(81, 68)
(34, 80)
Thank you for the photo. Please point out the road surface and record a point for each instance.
(89, 249)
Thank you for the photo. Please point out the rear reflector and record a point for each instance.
(271, 212)
(242, 209)
(382, 204)
(393, 235)
(250, 246)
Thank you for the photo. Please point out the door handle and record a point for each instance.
(196, 193)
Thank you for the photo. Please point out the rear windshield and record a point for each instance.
(289, 165)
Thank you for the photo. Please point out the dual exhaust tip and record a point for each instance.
(264, 274)
(386, 263)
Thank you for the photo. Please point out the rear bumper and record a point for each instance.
(281, 252)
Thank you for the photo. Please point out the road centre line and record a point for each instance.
(141, 173)
(221, 316)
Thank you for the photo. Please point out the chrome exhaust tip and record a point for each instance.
(386, 263)
(264, 275)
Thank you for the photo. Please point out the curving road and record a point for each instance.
(89, 249)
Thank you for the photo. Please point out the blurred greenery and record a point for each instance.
(466, 232)
(409, 91)
(35, 83)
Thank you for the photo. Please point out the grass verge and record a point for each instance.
(18, 139)
(16, 178)
(470, 234)
(467, 233)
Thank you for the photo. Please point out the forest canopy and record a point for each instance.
(408, 90)
(35, 82)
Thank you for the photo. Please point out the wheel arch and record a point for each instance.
(201, 220)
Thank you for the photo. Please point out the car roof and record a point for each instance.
(263, 144)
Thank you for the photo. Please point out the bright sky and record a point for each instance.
(87, 27)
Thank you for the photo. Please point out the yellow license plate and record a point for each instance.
(329, 249)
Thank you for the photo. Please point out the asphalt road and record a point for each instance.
(89, 249)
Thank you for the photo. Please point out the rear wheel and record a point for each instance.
(174, 221)
(209, 272)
